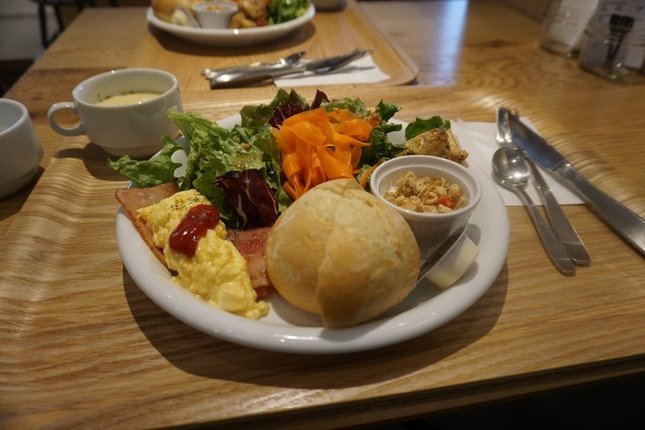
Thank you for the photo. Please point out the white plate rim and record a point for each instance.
(232, 37)
(489, 220)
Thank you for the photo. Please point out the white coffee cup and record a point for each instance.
(20, 149)
(125, 126)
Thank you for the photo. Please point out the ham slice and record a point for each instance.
(133, 199)
(250, 243)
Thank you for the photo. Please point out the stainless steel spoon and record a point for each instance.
(511, 172)
(281, 63)
(560, 223)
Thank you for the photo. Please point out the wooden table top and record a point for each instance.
(83, 346)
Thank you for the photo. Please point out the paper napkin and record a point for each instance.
(360, 71)
(478, 138)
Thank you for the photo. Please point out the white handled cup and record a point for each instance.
(122, 111)
(20, 148)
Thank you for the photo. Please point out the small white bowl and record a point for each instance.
(214, 14)
(429, 229)
(20, 147)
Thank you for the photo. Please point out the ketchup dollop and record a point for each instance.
(195, 224)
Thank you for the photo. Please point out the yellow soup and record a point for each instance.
(127, 99)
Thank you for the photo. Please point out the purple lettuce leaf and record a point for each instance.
(249, 196)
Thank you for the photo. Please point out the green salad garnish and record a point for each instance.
(229, 165)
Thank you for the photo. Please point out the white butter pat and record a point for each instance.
(454, 264)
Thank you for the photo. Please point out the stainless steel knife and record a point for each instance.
(558, 219)
(440, 251)
(627, 223)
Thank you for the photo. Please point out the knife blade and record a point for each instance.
(625, 222)
(558, 219)
(440, 251)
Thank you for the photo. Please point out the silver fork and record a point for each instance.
(558, 219)
(324, 65)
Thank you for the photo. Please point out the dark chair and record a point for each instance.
(47, 39)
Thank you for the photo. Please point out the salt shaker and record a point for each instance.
(563, 28)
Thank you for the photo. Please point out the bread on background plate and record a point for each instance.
(165, 9)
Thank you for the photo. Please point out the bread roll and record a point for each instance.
(339, 252)
(164, 9)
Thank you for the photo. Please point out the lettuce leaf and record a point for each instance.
(420, 125)
(386, 110)
(283, 105)
(148, 173)
(249, 196)
(356, 106)
(380, 145)
(215, 151)
(286, 10)
(212, 152)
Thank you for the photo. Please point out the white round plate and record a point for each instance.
(287, 329)
(231, 37)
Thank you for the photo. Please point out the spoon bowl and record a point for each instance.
(510, 168)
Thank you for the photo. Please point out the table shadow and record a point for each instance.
(95, 160)
(202, 355)
(12, 203)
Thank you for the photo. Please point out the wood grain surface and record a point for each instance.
(326, 35)
(82, 346)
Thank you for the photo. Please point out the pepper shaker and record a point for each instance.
(616, 40)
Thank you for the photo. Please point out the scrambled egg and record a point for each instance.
(217, 272)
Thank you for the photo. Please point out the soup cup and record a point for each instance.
(123, 111)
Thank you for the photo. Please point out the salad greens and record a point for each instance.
(239, 170)
(286, 10)
(419, 126)
(283, 105)
(380, 146)
(148, 173)
(215, 151)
